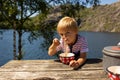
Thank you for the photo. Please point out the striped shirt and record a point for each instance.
(80, 46)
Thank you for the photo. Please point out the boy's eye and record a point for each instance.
(61, 34)
(68, 33)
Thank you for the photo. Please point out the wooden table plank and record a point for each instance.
(53, 74)
(52, 70)
(46, 64)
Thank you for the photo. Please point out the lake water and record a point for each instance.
(96, 42)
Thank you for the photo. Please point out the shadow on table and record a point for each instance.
(93, 61)
(88, 61)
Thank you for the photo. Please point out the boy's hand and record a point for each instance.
(52, 49)
(74, 64)
(56, 42)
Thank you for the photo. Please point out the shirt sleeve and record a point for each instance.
(84, 45)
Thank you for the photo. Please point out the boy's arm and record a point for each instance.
(52, 49)
(80, 61)
(82, 58)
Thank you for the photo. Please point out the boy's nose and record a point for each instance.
(64, 36)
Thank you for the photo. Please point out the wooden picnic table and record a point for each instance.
(51, 70)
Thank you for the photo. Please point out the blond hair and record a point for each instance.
(67, 23)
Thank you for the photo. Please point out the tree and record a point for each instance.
(72, 7)
(17, 12)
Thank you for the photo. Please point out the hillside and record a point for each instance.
(102, 18)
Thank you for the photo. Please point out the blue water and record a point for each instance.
(96, 42)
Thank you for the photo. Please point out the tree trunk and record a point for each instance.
(14, 41)
(20, 56)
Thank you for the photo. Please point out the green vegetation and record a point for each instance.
(104, 18)
(17, 16)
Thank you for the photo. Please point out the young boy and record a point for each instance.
(70, 41)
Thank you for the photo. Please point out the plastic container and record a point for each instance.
(111, 56)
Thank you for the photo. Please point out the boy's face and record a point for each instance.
(68, 36)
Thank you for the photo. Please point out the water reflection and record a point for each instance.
(1, 33)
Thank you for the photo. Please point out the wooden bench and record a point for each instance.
(52, 70)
